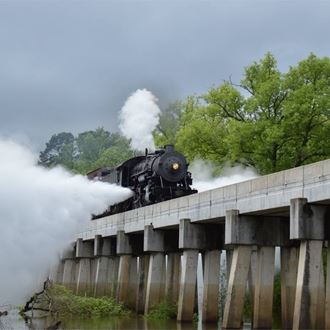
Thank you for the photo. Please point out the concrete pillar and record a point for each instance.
(85, 253)
(243, 232)
(172, 281)
(252, 277)
(142, 283)
(132, 283)
(84, 278)
(327, 298)
(289, 267)
(308, 224)
(59, 273)
(320, 310)
(113, 271)
(211, 286)
(103, 250)
(102, 287)
(70, 274)
(229, 258)
(156, 281)
(124, 250)
(69, 278)
(56, 272)
(263, 297)
(187, 285)
(154, 243)
(306, 315)
(233, 313)
(123, 278)
(192, 239)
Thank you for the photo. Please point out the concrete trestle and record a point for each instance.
(142, 268)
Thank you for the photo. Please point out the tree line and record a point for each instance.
(87, 151)
(270, 120)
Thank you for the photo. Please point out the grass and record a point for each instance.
(162, 311)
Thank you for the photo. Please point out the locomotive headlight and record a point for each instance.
(175, 166)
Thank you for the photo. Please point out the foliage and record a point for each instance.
(271, 120)
(65, 303)
(59, 150)
(195, 320)
(162, 311)
(169, 122)
(247, 309)
(201, 135)
(87, 151)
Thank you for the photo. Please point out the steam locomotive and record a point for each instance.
(155, 177)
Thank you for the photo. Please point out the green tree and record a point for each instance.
(271, 120)
(59, 150)
(307, 112)
(169, 123)
(88, 151)
(202, 132)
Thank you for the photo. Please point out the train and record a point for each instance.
(153, 177)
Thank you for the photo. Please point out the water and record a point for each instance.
(14, 321)
(133, 322)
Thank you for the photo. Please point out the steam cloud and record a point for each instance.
(203, 179)
(40, 210)
(138, 118)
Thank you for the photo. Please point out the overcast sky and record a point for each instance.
(70, 65)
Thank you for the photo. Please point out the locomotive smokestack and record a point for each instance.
(169, 147)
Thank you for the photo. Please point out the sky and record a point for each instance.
(69, 65)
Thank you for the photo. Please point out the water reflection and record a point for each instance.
(14, 321)
(134, 322)
(139, 323)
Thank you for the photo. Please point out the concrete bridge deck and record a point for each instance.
(266, 195)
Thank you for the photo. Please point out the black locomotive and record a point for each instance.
(154, 177)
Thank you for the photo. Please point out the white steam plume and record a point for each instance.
(203, 179)
(40, 210)
(138, 118)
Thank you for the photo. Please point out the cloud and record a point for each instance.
(69, 68)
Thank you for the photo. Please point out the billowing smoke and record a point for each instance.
(138, 118)
(203, 179)
(40, 210)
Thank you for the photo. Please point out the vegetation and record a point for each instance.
(87, 151)
(66, 303)
(58, 300)
(169, 124)
(270, 120)
(162, 311)
(195, 320)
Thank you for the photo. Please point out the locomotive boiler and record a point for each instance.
(155, 177)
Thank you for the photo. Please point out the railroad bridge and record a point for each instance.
(150, 254)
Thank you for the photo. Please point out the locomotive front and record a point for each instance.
(160, 176)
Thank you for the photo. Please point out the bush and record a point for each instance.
(162, 311)
(65, 303)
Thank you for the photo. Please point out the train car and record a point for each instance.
(155, 177)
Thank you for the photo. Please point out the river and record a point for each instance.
(14, 321)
